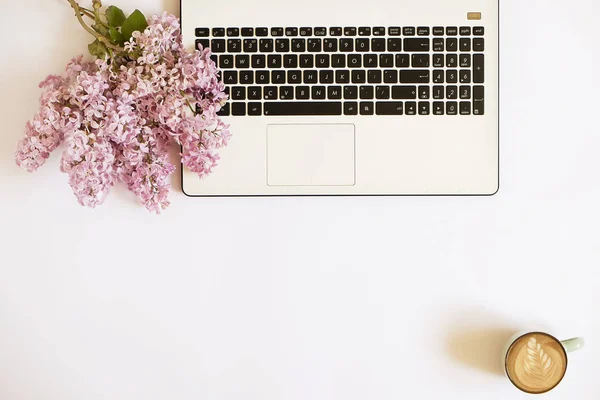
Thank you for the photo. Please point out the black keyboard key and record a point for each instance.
(259, 61)
(247, 31)
(263, 77)
(242, 61)
(465, 60)
(366, 108)
(326, 76)
(438, 108)
(451, 76)
(394, 44)
(337, 31)
(362, 44)
(217, 45)
(346, 45)
(334, 92)
(338, 61)
(202, 32)
(330, 45)
(226, 61)
(298, 45)
(404, 92)
(274, 61)
(465, 31)
(386, 60)
(320, 31)
(367, 92)
(314, 45)
(342, 76)
(423, 31)
(303, 108)
(294, 76)
(215, 59)
(451, 108)
(302, 92)
(394, 31)
(322, 60)
(465, 76)
(411, 107)
(464, 92)
(451, 60)
(478, 101)
(262, 31)
(374, 76)
(451, 31)
(438, 76)
(266, 45)
(270, 93)
(306, 61)
(290, 61)
(408, 31)
(254, 93)
(478, 44)
(254, 108)
(370, 60)
(225, 110)
(238, 93)
(416, 44)
(438, 92)
(310, 76)
(389, 108)
(390, 76)
(424, 108)
(276, 31)
(233, 31)
(349, 31)
(465, 44)
(319, 92)
(378, 45)
(382, 92)
(414, 76)
(438, 60)
(379, 31)
(306, 31)
(234, 45)
(423, 92)
(286, 93)
(465, 108)
(291, 31)
(350, 108)
(478, 31)
(202, 43)
(278, 76)
(438, 44)
(364, 31)
(420, 60)
(218, 32)
(350, 92)
(438, 31)
(478, 68)
(246, 77)
(451, 44)
(359, 76)
(282, 45)
(451, 92)
(354, 61)
(230, 77)
(238, 109)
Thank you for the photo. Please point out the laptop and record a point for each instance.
(343, 97)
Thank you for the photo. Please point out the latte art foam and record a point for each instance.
(536, 363)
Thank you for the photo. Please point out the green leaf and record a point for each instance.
(135, 22)
(115, 16)
(116, 36)
(101, 29)
(98, 49)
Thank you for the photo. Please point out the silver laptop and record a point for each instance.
(343, 97)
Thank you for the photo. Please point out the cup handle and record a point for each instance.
(571, 345)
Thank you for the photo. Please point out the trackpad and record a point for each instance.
(310, 155)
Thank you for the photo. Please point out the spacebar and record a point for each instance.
(303, 108)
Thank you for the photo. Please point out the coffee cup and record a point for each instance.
(536, 362)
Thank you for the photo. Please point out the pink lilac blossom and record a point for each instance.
(117, 119)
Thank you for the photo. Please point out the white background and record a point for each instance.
(307, 298)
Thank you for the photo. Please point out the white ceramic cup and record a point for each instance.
(568, 346)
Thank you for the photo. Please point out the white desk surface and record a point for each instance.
(307, 298)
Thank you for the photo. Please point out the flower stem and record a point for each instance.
(100, 38)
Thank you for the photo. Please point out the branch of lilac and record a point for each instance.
(116, 117)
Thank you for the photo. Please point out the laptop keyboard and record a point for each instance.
(350, 70)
